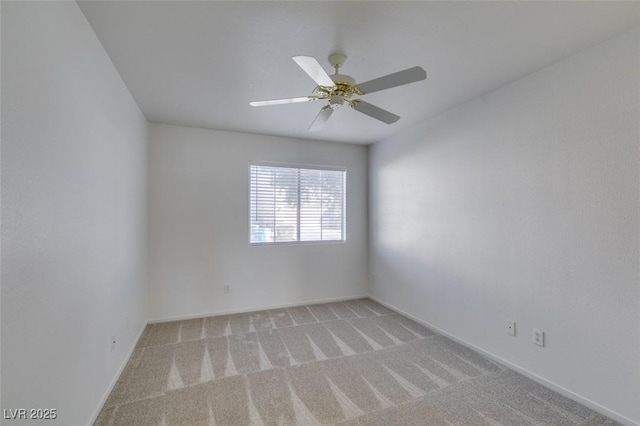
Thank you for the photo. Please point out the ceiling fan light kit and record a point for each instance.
(338, 89)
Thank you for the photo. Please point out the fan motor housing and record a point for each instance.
(343, 79)
(344, 89)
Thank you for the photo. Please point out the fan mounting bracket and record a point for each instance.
(337, 60)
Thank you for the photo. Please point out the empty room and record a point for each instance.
(315, 212)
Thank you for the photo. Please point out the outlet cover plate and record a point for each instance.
(511, 327)
(538, 337)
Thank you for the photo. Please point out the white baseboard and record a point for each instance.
(103, 400)
(254, 309)
(541, 380)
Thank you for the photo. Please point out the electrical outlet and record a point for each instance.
(227, 288)
(113, 343)
(511, 327)
(538, 337)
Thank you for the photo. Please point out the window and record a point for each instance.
(294, 204)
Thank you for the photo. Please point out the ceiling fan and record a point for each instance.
(338, 89)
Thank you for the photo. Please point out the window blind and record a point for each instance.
(295, 204)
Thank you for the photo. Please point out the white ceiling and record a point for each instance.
(200, 63)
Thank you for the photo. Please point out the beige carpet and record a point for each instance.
(348, 363)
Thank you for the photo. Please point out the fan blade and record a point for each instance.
(284, 101)
(410, 75)
(321, 119)
(375, 112)
(310, 65)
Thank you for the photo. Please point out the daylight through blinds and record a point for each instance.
(292, 204)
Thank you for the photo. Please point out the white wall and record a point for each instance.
(73, 214)
(524, 204)
(198, 226)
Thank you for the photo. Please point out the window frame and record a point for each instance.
(298, 166)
